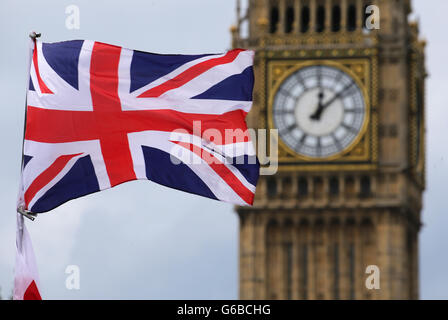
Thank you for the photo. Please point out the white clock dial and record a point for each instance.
(319, 111)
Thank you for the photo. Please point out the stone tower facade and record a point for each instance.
(333, 210)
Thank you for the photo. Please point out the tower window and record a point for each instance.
(336, 271)
(365, 187)
(272, 187)
(305, 19)
(334, 186)
(351, 259)
(274, 20)
(303, 187)
(289, 20)
(367, 232)
(336, 19)
(287, 186)
(304, 260)
(289, 267)
(273, 253)
(318, 234)
(351, 18)
(318, 187)
(350, 187)
(320, 15)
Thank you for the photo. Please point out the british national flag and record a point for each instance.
(100, 115)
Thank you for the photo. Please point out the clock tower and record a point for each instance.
(343, 83)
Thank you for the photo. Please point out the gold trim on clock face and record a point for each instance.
(320, 110)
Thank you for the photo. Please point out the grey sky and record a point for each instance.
(141, 240)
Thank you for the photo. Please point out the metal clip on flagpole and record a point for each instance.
(34, 35)
(26, 213)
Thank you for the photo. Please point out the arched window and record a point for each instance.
(289, 20)
(273, 23)
(304, 268)
(305, 19)
(334, 186)
(318, 185)
(350, 187)
(365, 186)
(286, 186)
(336, 19)
(288, 255)
(303, 187)
(287, 231)
(272, 187)
(320, 16)
(351, 18)
(336, 271)
(351, 268)
(367, 232)
(273, 254)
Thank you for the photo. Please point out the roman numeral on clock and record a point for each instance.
(354, 110)
(319, 146)
(284, 111)
(288, 129)
(336, 141)
(350, 128)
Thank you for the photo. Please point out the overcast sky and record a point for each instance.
(143, 241)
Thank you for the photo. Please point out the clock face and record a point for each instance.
(319, 111)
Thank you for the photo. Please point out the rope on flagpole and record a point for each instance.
(26, 213)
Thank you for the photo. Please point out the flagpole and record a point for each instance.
(33, 36)
(26, 277)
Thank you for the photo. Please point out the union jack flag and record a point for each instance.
(100, 115)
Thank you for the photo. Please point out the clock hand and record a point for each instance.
(317, 115)
(320, 107)
(339, 94)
